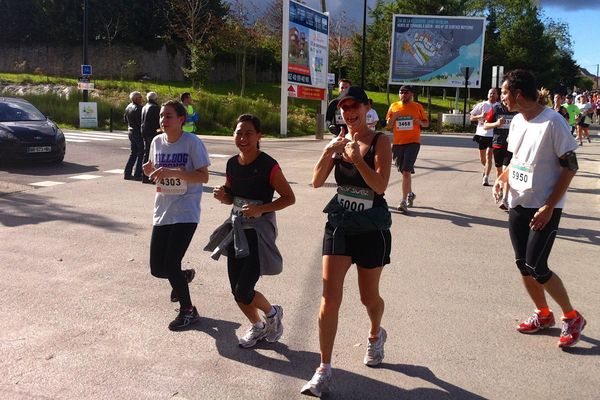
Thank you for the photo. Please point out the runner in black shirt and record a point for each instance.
(252, 179)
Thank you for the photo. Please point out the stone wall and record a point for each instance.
(120, 62)
(117, 62)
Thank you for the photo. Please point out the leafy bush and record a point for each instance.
(218, 112)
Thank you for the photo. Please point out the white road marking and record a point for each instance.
(115, 171)
(220, 155)
(85, 177)
(84, 137)
(89, 138)
(46, 183)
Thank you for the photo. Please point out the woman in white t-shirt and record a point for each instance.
(583, 126)
(372, 117)
(178, 164)
(541, 169)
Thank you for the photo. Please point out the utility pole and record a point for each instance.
(364, 39)
(85, 41)
(597, 71)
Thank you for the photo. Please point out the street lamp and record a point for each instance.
(364, 38)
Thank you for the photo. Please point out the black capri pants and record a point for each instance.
(167, 248)
(500, 156)
(532, 248)
(244, 272)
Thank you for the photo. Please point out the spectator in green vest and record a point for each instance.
(573, 111)
(192, 116)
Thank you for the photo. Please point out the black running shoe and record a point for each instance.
(184, 320)
(189, 276)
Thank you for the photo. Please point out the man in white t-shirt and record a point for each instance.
(483, 137)
(541, 169)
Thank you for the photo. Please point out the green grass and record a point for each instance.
(218, 104)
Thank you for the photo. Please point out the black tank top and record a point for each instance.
(347, 174)
(252, 181)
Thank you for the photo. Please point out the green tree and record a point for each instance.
(194, 25)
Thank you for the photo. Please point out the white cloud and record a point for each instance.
(572, 5)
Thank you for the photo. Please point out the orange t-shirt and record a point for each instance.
(405, 130)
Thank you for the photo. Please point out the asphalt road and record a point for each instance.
(81, 317)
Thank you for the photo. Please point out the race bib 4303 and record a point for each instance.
(171, 186)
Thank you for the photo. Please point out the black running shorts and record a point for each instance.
(405, 156)
(368, 250)
(484, 142)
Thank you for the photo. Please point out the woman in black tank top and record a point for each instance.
(362, 161)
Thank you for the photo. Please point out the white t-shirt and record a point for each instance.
(585, 109)
(536, 146)
(372, 118)
(483, 107)
(189, 154)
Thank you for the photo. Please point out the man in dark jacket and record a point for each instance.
(150, 126)
(333, 116)
(133, 119)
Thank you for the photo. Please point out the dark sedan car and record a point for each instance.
(27, 134)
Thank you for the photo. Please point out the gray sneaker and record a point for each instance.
(274, 325)
(410, 199)
(403, 207)
(318, 385)
(374, 355)
(252, 336)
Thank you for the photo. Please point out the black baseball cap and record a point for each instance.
(355, 93)
(407, 87)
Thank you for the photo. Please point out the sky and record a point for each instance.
(580, 15)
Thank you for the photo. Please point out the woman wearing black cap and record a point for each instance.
(357, 229)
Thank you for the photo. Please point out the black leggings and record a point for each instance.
(532, 248)
(244, 272)
(167, 248)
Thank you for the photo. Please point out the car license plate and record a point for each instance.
(39, 149)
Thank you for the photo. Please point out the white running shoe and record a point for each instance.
(318, 385)
(486, 181)
(275, 325)
(410, 199)
(374, 355)
(253, 335)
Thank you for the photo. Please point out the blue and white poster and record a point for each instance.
(308, 46)
(436, 50)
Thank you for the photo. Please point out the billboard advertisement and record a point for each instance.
(308, 46)
(436, 50)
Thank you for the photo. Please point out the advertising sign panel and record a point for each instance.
(436, 50)
(308, 47)
(88, 115)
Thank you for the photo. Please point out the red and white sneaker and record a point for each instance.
(536, 322)
(571, 330)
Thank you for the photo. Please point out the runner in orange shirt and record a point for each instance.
(406, 117)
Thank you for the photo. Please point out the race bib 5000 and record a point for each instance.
(354, 198)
